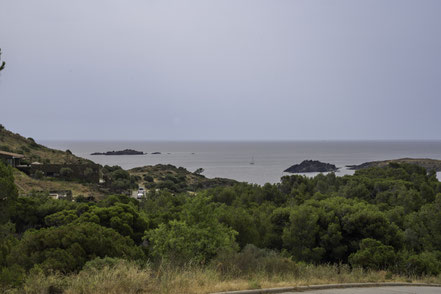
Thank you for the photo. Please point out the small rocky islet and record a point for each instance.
(121, 152)
(311, 166)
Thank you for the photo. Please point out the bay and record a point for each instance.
(231, 159)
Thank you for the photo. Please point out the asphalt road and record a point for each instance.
(377, 290)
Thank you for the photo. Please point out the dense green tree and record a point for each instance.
(162, 207)
(423, 228)
(68, 248)
(378, 218)
(300, 237)
(30, 212)
(279, 219)
(330, 230)
(242, 222)
(61, 218)
(197, 236)
(180, 242)
(8, 192)
(424, 263)
(123, 218)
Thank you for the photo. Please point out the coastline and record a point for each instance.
(232, 159)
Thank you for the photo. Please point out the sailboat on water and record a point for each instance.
(252, 160)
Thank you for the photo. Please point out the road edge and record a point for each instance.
(324, 287)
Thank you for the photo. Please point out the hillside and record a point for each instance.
(26, 184)
(12, 142)
(174, 178)
(34, 152)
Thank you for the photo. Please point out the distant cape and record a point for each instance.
(427, 163)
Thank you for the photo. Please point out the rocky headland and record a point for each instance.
(311, 166)
(427, 163)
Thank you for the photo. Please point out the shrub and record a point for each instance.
(35, 158)
(330, 230)
(119, 276)
(24, 149)
(68, 248)
(32, 143)
(373, 255)
(171, 179)
(253, 260)
(5, 148)
(197, 236)
(88, 172)
(66, 172)
(100, 263)
(39, 282)
(38, 174)
(11, 276)
(181, 243)
(8, 191)
(425, 263)
(150, 185)
(199, 171)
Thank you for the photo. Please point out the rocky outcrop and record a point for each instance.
(122, 152)
(427, 163)
(311, 166)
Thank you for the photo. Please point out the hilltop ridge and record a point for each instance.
(34, 152)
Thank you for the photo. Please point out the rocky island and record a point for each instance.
(311, 166)
(122, 152)
(427, 163)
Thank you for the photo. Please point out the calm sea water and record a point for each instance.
(232, 159)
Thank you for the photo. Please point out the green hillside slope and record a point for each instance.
(12, 142)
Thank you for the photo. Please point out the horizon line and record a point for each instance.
(241, 140)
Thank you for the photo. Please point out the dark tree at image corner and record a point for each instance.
(2, 63)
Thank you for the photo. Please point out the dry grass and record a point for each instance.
(128, 277)
(123, 278)
(26, 185)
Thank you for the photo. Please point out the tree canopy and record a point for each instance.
(379, 218)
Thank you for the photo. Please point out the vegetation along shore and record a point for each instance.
(190, 234)
(427, 163)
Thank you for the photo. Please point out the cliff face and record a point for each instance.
(310, 166)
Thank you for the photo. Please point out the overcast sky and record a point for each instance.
(221, 69)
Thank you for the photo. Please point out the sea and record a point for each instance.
(234, 159)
